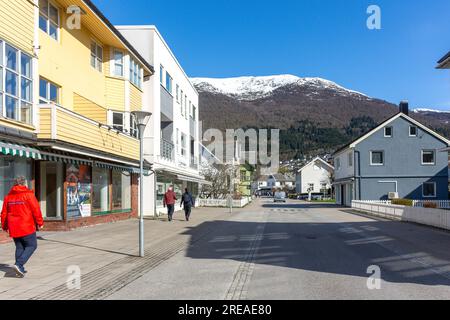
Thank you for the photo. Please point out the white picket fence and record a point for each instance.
(223, 203)
(432, 217)
(440, 204)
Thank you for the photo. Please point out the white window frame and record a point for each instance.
(49, 22)
(46, 99)
(428, 163)
(98, 65)
(19, 76)
(135, 73)
(169, 83)
(123, 121)
(371, 158)
(134, 130)
(417, 131)
(183, 145)
(114, 63)
(392, 132)
(338, 164)
(435, 189)
(161, 74)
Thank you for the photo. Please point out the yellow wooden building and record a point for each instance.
(68, 84)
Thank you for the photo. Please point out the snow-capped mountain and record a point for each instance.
(253, 88)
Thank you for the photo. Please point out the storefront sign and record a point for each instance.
(79, 186)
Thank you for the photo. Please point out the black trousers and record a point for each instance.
(187, 211)
(170, 210)
(25, 247)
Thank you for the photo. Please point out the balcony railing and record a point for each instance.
(167, 150)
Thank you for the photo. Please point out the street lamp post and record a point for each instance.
(142, 118)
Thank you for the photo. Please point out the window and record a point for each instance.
(310, 187)
(388, 132)
(121, 191)
(100, 188)
(428, 157)
(118, 122)
(190, 109)
(161, 75)
(118, 63)
(178, 93)
(133, 126)
(135, 73)
(10, 168)
(350, 159)
(181, 105)
(16, 84)
(413, 131)
(376, 158)
(194, 112)
(177, 141)
(48, 92)
(96, 56)
(338, 164)
(185, 106)
(183, 144)
(49, 18)
(168, 83)
(429, 189)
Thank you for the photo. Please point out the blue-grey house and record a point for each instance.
(401, 158)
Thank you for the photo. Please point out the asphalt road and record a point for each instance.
(303, 251)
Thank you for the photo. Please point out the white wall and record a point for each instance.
(315, 173)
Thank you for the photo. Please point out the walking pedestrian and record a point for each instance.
(21, 217)
(169, 200)
(188, 202)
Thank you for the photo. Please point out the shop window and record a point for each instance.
(78, 178)
(11, 168)
(121, 191)
(100, 188)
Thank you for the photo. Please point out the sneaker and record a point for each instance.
(20, 272)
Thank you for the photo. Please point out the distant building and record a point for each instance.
(399, 158)
(315, 177)
(281, 181)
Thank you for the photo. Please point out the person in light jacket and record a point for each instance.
(21, 216)
(188, 202)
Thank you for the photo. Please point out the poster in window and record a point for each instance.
(78, 179)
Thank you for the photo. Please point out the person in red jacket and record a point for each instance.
(169, 200)
(20, 216)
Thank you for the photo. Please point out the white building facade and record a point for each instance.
(314, 176)
(171, 140)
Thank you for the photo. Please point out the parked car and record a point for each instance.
(280, 197)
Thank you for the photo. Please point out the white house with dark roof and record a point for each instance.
(315, 176)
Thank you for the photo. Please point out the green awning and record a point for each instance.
(19, 150)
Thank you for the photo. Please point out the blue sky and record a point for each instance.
(311, 38)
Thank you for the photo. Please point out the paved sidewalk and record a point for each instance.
(106, 255)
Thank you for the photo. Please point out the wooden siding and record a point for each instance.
(115, 93)
(135, 98)
(17, 23)
(89, 109)
(45, 126)
(73, 128)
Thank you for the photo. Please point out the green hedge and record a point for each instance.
(403, 202)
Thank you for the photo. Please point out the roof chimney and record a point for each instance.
(404, 107)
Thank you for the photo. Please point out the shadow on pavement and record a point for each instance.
(302, 205)
(87, 247)
(8, 270)
(346, 248)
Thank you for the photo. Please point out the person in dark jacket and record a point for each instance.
(188, 202)
(20, 216)
(169, 200)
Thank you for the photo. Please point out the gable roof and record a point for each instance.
(117, 33)
(314, 161)
(444, 62)
(385, 123)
